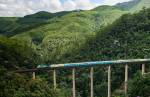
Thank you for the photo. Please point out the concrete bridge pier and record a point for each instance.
(126, 80)
(109, 81)
(33, 75)
(143, 69)
(91, 76)
(54, 79)
(73, 83)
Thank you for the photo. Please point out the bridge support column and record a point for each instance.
(109, 81)
(126, 80)
(33, 75)
(54, 79)
(91, 76)
(73, 83)
(143, 69)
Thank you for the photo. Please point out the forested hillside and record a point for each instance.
(125, 34)
(69, 31)
(103, 33)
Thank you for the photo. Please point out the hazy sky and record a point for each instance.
(24, 7)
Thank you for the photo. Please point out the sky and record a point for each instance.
(10, 8)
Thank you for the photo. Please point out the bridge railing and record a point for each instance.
(91, 65)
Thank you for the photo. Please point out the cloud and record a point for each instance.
(84, 4)
(78, 4)
(24, 7)
(113, 2)
(69, 5)
(54, 5)
(13, 8)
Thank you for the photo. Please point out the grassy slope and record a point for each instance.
(7, 24)
(12, 26)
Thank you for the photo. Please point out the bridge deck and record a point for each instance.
(95, 63)
(85, 64)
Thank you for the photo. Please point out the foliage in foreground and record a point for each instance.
(16, 55)
(140, 86)
(16, 85)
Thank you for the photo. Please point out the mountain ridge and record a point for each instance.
(128, 5)
(22, 24)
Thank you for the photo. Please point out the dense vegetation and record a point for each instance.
(142, 82)
(74, 37)
(16, 55)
